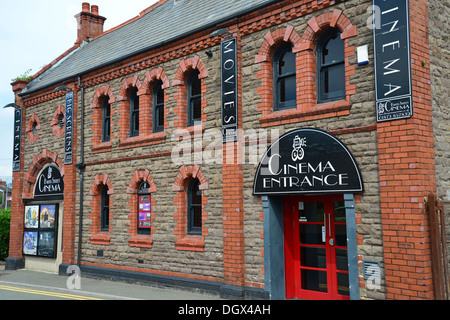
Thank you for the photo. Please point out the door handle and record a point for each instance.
(331, 241)
(329, 224)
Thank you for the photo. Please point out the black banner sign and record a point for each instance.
(229, 90)
(68, 153)
(17, 139)
(392, 60)
(49, 183)
(307, 161)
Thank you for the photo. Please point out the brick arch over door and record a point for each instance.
(39, 162)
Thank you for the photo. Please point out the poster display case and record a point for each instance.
(40, 230)
(145, 211)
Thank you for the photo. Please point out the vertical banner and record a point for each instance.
(229, 90)
(392, 60)
(17, 139)
(68, 153)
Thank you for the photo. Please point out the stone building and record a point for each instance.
(256, 149)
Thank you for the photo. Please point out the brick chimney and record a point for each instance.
(89, 22)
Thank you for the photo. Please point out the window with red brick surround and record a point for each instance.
(140, 240)
(101, 93)
(184, 177)
(98, 236)
(145, 94)
(58, 121)
(33, 128)
(185, 69)
(304, 48)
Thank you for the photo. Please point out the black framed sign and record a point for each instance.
(307, 161)
(17, 139)
(229, 90)
(68, 153)
(49, 183)
(41, 229)
(392, 60)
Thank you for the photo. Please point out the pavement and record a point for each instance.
(34, 285)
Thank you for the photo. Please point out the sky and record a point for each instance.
(34, 33)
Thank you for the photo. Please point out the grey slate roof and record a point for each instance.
(167, 22)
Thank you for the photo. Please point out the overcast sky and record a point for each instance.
(34, 33)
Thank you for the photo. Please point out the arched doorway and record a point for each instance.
(307, 180)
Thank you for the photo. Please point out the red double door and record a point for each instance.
(315, 239)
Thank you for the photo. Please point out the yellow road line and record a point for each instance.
(47, 293)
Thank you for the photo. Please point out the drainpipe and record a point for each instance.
(80, 166)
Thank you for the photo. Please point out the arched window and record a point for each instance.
(106, 119)
(104, 215)
(330, 67)
(134, 112)
(284, 78)
(194, 99)
(158, 107)
(194, 220)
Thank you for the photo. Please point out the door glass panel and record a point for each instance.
(341, 259)
(339, 211)
(311, 234)
(341, 235)
(314, 280)
(343, 284)
(311, 211)
(313, 257)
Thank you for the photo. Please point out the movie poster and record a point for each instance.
(47, 217)
(30, 239)
(46, 247)
(31, 217)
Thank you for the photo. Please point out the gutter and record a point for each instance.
(81, 166)
(160, 44)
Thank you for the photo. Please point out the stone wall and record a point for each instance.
(440, 86)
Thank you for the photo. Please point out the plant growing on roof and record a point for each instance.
(25, 76)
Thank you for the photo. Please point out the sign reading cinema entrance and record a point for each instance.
(308, 177)
(307, 161)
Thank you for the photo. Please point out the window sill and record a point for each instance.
(191, 243)
(151, 139)
(318, 111)
(142, 241)
(101, 238)
(102, 147)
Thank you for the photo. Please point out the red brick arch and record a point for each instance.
(39, 162)
(98, 236)
(98, 145)
(184, 241)
(185, 69)
(304, 48)
(138, 240)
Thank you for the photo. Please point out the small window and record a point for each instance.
(104, 218)
(158, 108)
(194, 99)
(61, 120)
(134, 112)
(144, 209)
(35, 130)
(284, 78)
(106, 120)
(331, 67)
(194, 220)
